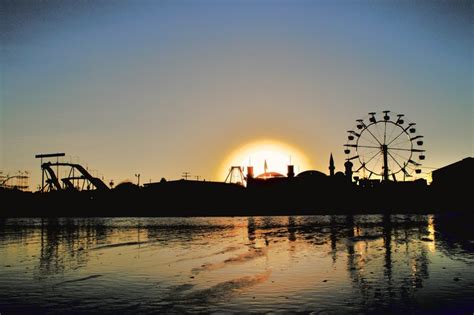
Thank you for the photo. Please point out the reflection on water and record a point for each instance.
(329, 264)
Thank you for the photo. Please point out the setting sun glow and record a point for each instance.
(276, 155)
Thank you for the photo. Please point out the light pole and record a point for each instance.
(138, 179)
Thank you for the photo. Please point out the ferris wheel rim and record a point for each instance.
(398, 155)
(366, 128)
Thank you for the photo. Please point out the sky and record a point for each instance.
(163, 87)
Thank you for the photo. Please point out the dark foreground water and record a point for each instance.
(309, 264)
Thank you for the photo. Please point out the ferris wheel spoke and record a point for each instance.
(377, 161)
(370, 154)
(391, 132)
(400, 149)
(368, 147)
(400, 142)
(364, 163)
(401, 167)
(401, 145)
(376, 153)
(400, 156)
(368, 139)
(391, 157)
(378, 132)
(404, 130)
(398, 136)
(373, 136)
(403, 149)
(360, 167)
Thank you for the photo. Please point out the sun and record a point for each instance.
(275, 154)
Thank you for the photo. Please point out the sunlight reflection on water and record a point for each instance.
(329, 264)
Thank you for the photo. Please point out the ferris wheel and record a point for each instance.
(385, 145)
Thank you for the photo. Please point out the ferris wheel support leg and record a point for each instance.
(385, 162)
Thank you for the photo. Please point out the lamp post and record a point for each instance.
(138, 179)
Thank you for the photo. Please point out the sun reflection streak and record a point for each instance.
(431, 234)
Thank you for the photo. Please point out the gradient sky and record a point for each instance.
(162, 87)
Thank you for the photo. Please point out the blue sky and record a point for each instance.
(161, 87)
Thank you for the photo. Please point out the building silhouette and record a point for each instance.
(453, 174)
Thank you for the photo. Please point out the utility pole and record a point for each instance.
(186, 175)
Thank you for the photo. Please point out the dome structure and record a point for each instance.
(268, 175)
(311, 173)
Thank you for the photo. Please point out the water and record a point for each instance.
(310, 264)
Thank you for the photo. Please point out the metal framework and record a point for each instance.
(48, 156)
(235, 176)
(21, 180)
(386, 146)
(78, 178)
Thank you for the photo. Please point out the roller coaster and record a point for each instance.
(78, 177)
(8, 181)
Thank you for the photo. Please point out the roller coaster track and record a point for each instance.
(48, 167)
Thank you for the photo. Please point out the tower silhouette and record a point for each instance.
(348, 169)
(331, 166)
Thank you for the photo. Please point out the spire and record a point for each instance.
(331, 166)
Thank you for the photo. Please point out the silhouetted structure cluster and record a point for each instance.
(309, 192)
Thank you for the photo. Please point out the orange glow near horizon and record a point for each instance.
(278, 156)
